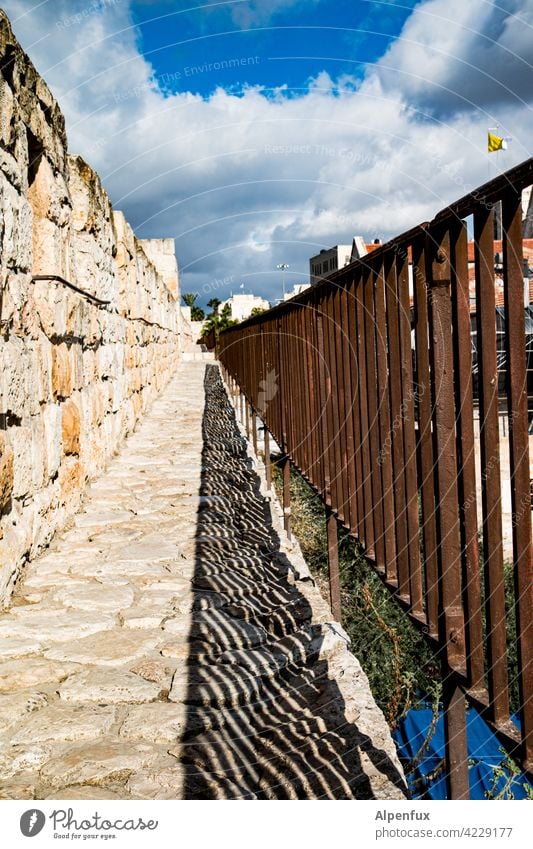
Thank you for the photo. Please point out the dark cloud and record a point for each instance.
(455, 56)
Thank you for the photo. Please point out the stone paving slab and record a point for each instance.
(170, 644)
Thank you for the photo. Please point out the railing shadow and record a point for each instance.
(264, 718)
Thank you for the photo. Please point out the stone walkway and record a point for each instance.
(172, 644)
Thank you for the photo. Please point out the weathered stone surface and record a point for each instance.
(158, 723)
(84, 792)
(61, 372)
(55, 626)
(109, 648)
(147, 551)
(17, 790)
(13, 707)
(32, 672)
(140, 617)
(71, 427)
(158, 784)
(266, 663)
(6, 472)
(68, 368)
(94, 596)
(11, 647)
(22, 759)
(214, 626)
(200, 685)
(139, 573)
(178, 649)
(105, 686)
(246, 698)
(63, 723)
(97, 763)
(159, 671)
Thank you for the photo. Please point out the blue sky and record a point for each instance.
(282, 49)
(257, 132)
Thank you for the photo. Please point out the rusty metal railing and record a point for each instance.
(365, 382)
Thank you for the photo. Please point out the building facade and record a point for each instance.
(242, 305)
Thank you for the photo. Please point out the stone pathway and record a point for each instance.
(172, 644)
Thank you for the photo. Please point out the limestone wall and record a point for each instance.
(75, 376)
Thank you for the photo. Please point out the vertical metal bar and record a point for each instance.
(268, 461)
(455, 737)
(289, 406)
(283, 403)
(354, 380)
(425, 438)
(333, 564)
(247, 408)
(452, 620)
(340, 384)
(373, 424)
(347, 344)
(302, 393)
(313, 413)
(323, 397)
(490, 465)
(410, 477)
(329, 451)
(317, 351)
(254, 431)
(385, 457)
(286, 468)
(396, 427)
(368, 519)
(466, 455)
(333, 405)
(449, 545)
(519, 458)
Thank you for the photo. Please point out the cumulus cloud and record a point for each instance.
(482, 57)
(244, 181)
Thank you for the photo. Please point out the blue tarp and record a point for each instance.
(427, 780)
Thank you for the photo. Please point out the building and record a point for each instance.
(328, 261)
(297, 289)
(242, 305)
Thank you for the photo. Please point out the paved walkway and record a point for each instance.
(172, 645)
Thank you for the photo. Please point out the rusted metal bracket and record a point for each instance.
(58, 279)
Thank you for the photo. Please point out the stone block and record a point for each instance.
(61, 372)
(72, 480)
(52, 421)
(6, 472)
(20, 440)
(70, 427)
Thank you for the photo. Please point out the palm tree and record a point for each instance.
(189, 299)
(214, 303)
(219, 321)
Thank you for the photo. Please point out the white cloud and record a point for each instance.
(456, 55)
(244, 182)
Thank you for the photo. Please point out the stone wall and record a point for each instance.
(75, 375)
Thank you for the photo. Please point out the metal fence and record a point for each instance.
(365, 382)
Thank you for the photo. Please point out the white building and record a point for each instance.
(329, 261)
(297, 289)
(242, 305)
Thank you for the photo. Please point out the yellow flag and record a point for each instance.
(495, 143)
